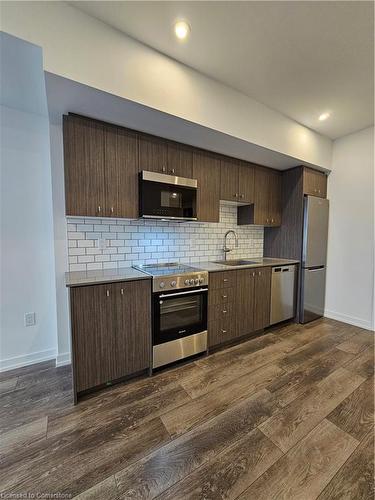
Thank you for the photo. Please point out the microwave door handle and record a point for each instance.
(164, 295)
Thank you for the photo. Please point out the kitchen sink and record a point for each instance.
(240, 262)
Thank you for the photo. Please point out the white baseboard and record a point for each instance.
(63, 359)
(351, 320)
(27, 359)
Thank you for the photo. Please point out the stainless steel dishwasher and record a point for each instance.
(283, 293)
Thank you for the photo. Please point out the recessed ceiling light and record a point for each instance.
(182, 29)
(324, 116)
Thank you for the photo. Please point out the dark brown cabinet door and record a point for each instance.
(274, 199)
(206, 169)
(244, 305)
(131, 343)
(93, 326)
(262, 297)
(180, 160)
(314, 183)
(246, 183)
(229, 179)
(152, 154)
(261, 195)
(121, 173)
(84, 166)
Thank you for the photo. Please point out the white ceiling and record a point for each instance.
(300, 58)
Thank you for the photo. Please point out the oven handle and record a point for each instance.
(162, 296)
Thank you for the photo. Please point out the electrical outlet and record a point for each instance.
(30, 319)
(101, 243)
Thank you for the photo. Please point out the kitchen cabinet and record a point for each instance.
(314, 183)
(266, 209)
(102, 163)
(206, 169)
(111, 332)
(153, 154)
(239, 303)
(262, 298)
(84, 166)
(221, 303)
(253, 299)
(101, 169)
(133, 322)
(179, 160)
(245, 301)
(121, 173)
(246, 182)
(236, 181)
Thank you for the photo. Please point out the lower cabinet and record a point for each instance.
(239, 303)
(111, 331)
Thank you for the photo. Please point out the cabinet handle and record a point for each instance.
(235, 195)
(99, 209)
(107, 293)
(112, 210)
(253, 273)
(267, 220)
(163, 169)
(223, 331)
(225, 280)
(224, 296)
(172, 171)
(224, 311)
(242, 196)
(272, 220)
(259, 273)
(122, 291)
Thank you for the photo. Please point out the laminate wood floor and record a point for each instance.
(287, 415)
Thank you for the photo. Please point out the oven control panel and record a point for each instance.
(179, 282)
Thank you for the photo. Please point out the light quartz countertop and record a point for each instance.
(212, 267)
(95, 277)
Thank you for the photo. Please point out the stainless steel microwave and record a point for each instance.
(167, 197)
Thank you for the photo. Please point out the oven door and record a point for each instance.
(179, 314)
(168, 197)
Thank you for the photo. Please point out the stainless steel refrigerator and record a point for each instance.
(314, 256)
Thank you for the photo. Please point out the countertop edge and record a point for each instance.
(212, 267)
(101, 281)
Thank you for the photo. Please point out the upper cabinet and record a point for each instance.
(165, 157)
(237, 181)
(121, 172)
(84, 166)
(179, 160)
(101, 169)
(206, 169)
(153, 154)
(314, 183)
(266, 209)
(102, 163)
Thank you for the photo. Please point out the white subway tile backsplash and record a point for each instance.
(139, 241)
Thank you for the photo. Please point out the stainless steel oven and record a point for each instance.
(179, 324)
(164, 196)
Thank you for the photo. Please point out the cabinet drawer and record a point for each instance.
(222, 279)
(220, 296)
(220, 311)
(220, 331)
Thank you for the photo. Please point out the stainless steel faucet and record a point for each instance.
(226, 249)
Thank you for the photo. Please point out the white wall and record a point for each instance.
(83, 49)
(350, 265)
(27, 259)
